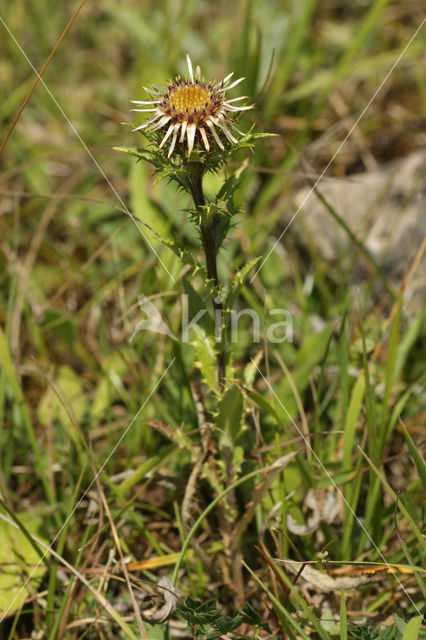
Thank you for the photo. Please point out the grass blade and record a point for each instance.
(418, 460)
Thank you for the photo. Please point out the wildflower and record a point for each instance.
(190, 107)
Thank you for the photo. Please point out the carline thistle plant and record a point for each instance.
(191, 131)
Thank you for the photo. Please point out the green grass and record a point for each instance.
(345, 396)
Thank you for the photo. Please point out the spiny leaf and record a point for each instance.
(206, 358)
(238, 281)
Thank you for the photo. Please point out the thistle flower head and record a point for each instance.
(192, 111)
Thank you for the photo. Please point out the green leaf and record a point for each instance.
(412, 629)
(109, 387)
(145, 467)
(230, 415)
(206, 357)
(189, 258)
(141, 154)
(69, 403)
(15, 391)
(197, 305)
(20, 406)
(263, 404)
(251, 369)
(257, 136)
(19, 560)
(238, 281)
(252, 617)
(400, 623)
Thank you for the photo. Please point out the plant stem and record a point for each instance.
(208, 228)
(210, 250)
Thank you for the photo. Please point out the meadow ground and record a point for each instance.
(288, 502)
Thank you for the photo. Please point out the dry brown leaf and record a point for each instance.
(165, 602)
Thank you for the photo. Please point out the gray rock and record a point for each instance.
(385, 209)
